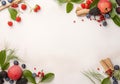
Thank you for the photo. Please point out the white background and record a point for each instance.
(50, 40)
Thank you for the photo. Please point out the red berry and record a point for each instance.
(88, 2)
(14, 5)
(38, 7)
(83, 5)
(23, 7)
(15, 72)
(87, 6)
(42, 74)
(18, 19)
(10, 23)
(35, 10)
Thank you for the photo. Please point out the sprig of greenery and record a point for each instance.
(70, 4)
(6, 55)
(93, 75)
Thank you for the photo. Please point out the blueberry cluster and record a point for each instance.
(115, 81)
(4, 76)
(3, 2)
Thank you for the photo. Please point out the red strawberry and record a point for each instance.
(15, 72)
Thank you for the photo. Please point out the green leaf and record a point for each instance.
(69, 7)
(5, 66)
(94, 4)
(2, 57)
(13, 13)
(48, 77)
(112, 13)
(116, 20)
(106, 81)
(77, 1)
(117, 74)
(62, 1)
(28, 75)
(114, 4)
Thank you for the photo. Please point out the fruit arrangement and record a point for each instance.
(111, 74)
(14, 7)
(100, 11)
(17, 73)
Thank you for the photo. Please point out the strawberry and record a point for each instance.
(14, 72)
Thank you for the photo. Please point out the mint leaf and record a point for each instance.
(5, 66)
(106, 81)
(48, 77)
(13, 13)
(77, 1)
(2, 57)
(116, 20)
(28, 75)
(62, 1)
(94, 4)
(69, 7)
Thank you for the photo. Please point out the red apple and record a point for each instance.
(104, 6)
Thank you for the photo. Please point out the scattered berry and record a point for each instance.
(14, 72)
(88, 16)
(1, 81)
(11, 81)
(114, 78)
(10, 23)
(107, 15)
(104, 23)
(23, 66)
(22, 81)
(83, 5)
(34, 75)
(18, 19)
(115, 82)
(38, 7)
(16, 62)
(23, 7)
(10, 1)
(14, 5)
(116, 67)
(3, 74)
(7, 79)
(3, 2)
(42, 74)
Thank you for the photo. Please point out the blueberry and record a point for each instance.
(116, 67)
(3, 74)
(115, 82)
(34, 75)
(107, 15)
(104, 23)
(22, 81)
(10, 1)
(114, 78)
(11, 81)
(16, 62)
(88, 16)
(3, 2)
(1, 81)
(23, 66)
(7, 79)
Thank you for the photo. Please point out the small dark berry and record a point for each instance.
(3, 74)
(115, 82)
(11, 81)
(22, 81)
(116, 67)
(23, 66)
(1, 81)
(34, 75)
(104, 23)
(16, 62)
(114, 78)
(3, 2)
(107, 15)
(10, 1)
(7, 79)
